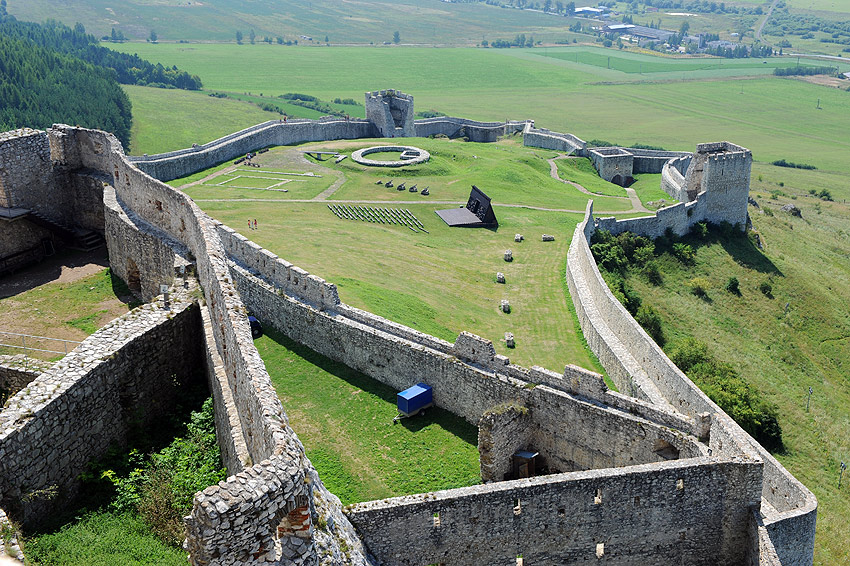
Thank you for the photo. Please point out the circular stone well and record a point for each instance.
(409, 155)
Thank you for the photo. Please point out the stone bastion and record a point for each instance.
(653, 474)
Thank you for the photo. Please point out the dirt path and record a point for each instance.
(637, 205)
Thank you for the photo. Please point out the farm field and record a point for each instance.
(776, 118)
(371, 21)
(345, 420)
(441, 282)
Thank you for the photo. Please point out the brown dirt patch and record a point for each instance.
(826, 80)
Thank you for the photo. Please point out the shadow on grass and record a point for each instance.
(737, 244)
(444, 419)
(122, 291)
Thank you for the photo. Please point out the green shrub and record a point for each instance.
(684, 252)
(161, 487)
(700, 230)
(825, 195)
(766, 288)
(652, 273)
(723, 385)
(617, 253)
(733, 286)
(699, 286)
(651, 322)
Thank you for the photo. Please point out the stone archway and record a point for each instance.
(134, 278)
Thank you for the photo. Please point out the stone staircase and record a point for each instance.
(76, 238)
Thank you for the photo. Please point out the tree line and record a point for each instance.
(128, 69)
(40, 87)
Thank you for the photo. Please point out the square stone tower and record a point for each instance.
(392, 112)
(722, 171)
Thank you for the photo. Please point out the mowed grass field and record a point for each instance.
(440, 283)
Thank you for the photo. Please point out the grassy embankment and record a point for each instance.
(794, 338)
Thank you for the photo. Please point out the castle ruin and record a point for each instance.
(653, 474)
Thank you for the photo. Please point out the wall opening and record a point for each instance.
(600, 549)
(134, 278)
(598, 499)
(665, 450)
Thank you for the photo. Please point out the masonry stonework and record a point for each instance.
(656, 474)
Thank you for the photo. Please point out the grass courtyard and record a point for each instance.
(441, 282)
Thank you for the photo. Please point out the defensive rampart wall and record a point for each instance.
(124, 375)
(270, 508)
(14, 376)
(468, 381)
(179, 164)
(574, 518)
(461, 127)
(618, 340)
(270, 446)
(547, 139)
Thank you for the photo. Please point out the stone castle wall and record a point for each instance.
(392, 113)
(124, 375)
(25, 171)
(462, 127)
(618, 340)
(612, 163)
(547, 139)
(564, 519)
(274, 506)
(268, 445)
(14, 376)
(174, 165)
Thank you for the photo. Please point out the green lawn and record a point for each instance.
(580, 170)
(441, 283)
(648, 188)
(69, 311)
(799, 337)
(345, 421)
(508, 172)
(103, 538)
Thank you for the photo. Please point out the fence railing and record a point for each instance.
(19, 341)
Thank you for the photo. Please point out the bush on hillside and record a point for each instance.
(725, 386)
(684, 253)
(649, 320)
(733, 286)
